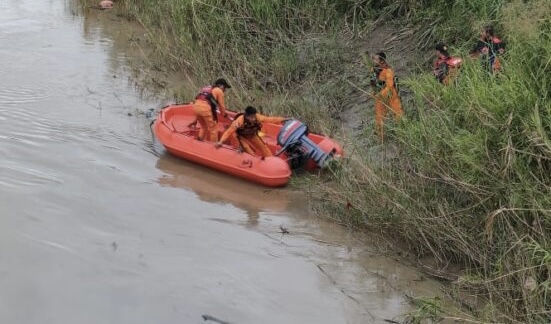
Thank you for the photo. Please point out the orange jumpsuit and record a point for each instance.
(203, 111)
(252, 143)
(386, 98)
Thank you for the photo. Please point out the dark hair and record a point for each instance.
(250, 110)
(222, 82)
(442, 49)
(381, 55)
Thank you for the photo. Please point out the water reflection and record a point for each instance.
(216, 187)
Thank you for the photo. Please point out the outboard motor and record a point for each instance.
(294, 141)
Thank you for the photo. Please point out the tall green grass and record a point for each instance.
(271, 51)
(464, 177)
(306, 49)
(472, 180)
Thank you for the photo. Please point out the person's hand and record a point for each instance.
(218, 144)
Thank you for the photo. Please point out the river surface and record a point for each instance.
(99, 226)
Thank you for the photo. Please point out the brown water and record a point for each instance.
(95, 227)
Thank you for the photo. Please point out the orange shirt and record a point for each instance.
(241, 119)
(387, 75)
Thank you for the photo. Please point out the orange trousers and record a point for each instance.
(208, 125)
(381, 106)
(497, 65)
(255, 144)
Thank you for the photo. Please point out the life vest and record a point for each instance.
(247, 129)
(446, 68)
(380, 84)
(493, 46)
(497, 45)
(454, 62)
(206, 94)
(490, 51)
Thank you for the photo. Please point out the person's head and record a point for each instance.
(379, 58)
(487, 32)
(441, 51)
(250, 114)
(222, 84)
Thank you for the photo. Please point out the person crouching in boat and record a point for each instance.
(247, 126)
(207, 102)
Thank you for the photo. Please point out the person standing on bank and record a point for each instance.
(384, 91)
(446, 67)
(206, 105)
(488, 48)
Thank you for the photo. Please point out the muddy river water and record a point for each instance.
(99, 226)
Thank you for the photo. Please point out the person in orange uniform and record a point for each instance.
(385, 92)
(207, 102)
(247, 126)
(445, 67)
(488, 48)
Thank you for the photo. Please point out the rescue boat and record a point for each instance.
(292, 145)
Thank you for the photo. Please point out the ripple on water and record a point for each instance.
(20, 175)
(20, 96)
(36, 146)
(20, 25)
(30, 127)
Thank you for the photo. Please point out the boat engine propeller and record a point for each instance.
(294, 141)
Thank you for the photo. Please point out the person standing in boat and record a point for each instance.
(385, 91)
(206, 105)
(247, 125)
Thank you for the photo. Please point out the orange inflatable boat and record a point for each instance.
(291, 150)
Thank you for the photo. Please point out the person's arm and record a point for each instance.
(387, 75)
(500, 47)
(271, 120)
(436, 68)
(372, 78)
(218, 95)
(233, 127)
